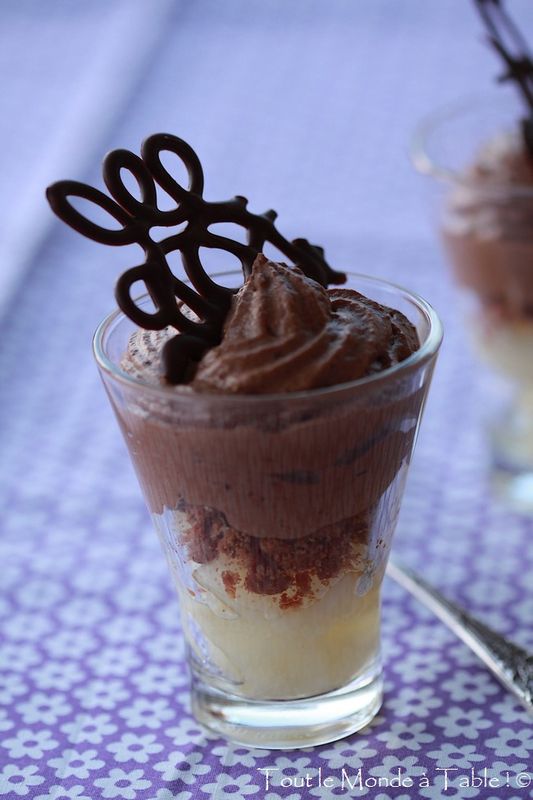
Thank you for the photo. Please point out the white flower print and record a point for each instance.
(188, 731)
(439, 789)
(524, 609)
(230, 755)
(89, 728)
(18, 657)
(347, 754)
(117, 551)
(32, 744)
(83, 612)
(501, 770)
(185, 768)
(497, 592)
(27, 518)
(57, 792)
(133, 747)
(227, 788)
(40, 593)
(5, 722)
(6, 607)
(52, 559)
(461, 656)
(510, 710)
(12, 575)
(165, 647)
(275, 796)
(167, 794)
(73, 763)
(426, 637)
(326, 792)
(288, 767)
(132, 782)
(466, 685)
(27, 627)
(138, 596)
(382, 796)
(420, 666)
(94, 580)
(512, 743)
(117, 661)
(18, 780)
(392, 766)
(416, 702)
(100, 693)
(459, 721)
(167, 616)
(452, 755)
(402, 734)
(58, 675)
(126, 629)
(65, 643)
(147, 713)
(183, 698)
(11, 685)
(159, 679)
(45, 708)
(513, 797)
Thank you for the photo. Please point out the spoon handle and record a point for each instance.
(511, 665)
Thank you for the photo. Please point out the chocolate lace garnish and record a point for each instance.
(505, 37)
(209, 301)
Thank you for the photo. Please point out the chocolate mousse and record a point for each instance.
(282, 505)
(284, 333)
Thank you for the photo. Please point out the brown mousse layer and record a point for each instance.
(488, 228)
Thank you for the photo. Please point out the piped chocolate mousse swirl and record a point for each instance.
(287, 333)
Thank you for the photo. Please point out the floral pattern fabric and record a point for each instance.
(94, 699)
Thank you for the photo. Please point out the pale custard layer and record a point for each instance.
(262, 650)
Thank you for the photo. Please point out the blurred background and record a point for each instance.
(307, 107)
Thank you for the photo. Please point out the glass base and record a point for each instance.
(289, 724)
(514, 488)
(512, 457)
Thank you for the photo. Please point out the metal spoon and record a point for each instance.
(510, 664)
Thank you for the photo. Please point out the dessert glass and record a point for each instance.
(276, 513)
(486, 228)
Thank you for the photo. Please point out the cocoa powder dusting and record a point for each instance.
(230, 581)
(273, 566)
(302, 588)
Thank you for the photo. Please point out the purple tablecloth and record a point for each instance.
(305, 107)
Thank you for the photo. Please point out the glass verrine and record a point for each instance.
(276, 513)
(483, 188)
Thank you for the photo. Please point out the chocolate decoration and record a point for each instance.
(519, 67)
(209, 301)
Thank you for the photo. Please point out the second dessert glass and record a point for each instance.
(276, 513)
(483, 190)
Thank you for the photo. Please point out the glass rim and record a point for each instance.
(428, 347)
(425, 164)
